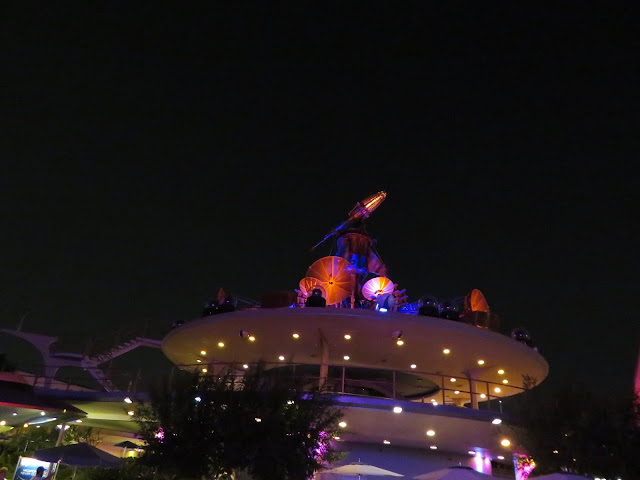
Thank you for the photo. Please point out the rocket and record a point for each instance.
(363, 209)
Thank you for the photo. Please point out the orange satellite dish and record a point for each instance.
(478, 302)
(334, 274)
(377, 286)
(309, 284)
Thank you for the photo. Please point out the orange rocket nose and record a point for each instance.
(374, 201)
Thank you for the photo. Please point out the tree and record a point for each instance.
(213, 425)
(573, 429)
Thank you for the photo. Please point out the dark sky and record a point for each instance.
(151, 155)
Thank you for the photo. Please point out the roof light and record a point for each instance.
(483, 395)
(127, 400)
(199, 361)
(505, 443)
(471, 452)
(257, 419)
(480, 362)
(346, 357)
(336, 438)
(281, 358)
(397, 409)
(204, 370)
(15, 414)
(386, 442)
(501, 372)
(3, 423)
(431, 433)
(497, 389)
(342, 424)
(203, 352)
(500, 457)
(245, 366)
(221, 344)
(347, 337)
(446, 351)
(413, 365)
(496, 421)
(42, 414)
(453, 379)
(505, 381)
(457, 392)
(400, 342)
(252, 338)
(78, 421)
(433, 447)
(26, 425)
(131, 413)
(382, 309)
(296, 335)
(555, 451)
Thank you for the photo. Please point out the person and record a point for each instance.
(40, 474)
(3, 472)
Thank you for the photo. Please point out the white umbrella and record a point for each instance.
(362, 469)
(561, 476)
(454, 473)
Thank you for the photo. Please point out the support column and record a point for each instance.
(324, 361)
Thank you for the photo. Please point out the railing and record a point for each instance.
(411, 385)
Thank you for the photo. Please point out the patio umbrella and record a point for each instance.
(362, 469)
(79, 455)
(124, 445)
(562, 476)
(454, 473)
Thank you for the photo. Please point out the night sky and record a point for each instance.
(151, 155)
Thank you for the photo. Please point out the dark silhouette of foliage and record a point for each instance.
(210, 426)
(573, 429)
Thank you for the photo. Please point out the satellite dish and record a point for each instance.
(309, 284)
(335, 275)
(477, 301)
(377, 286)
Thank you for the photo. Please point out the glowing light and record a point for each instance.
(245, 366)
(480, 362)
(131, 413)
(290, 402)
(346, 357)
(457, 392)
(15, 414)
(555, 451)
(127, 400)
(433, 447)
(204, 370)
(3, 423)
(413, 365)
(78, 421)
(434, 403)
(446, 351)
(336, 438)
(252, 338)
(296, 335)
(198, 399)
(431, 433)
(386, 442)
(258, 420)
(221, 344)
(496, 421)
(505, 443)
(342, 424)
(26, 425)
(505, 381)
(397, 409)
(501, 372)
(471, 452)
(42, 414)
(453, 379)
(497, 389)
(500, 457)
(383, 310)
(199, 361)
(281, 358)
(347, 337)
(160, 434)
(483, 395)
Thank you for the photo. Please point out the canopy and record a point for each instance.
(78, 454)
(455, 473)
(362, 469)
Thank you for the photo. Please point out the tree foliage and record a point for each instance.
(573, 429)
(210, 426)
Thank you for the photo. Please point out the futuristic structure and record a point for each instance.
(421, 383)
